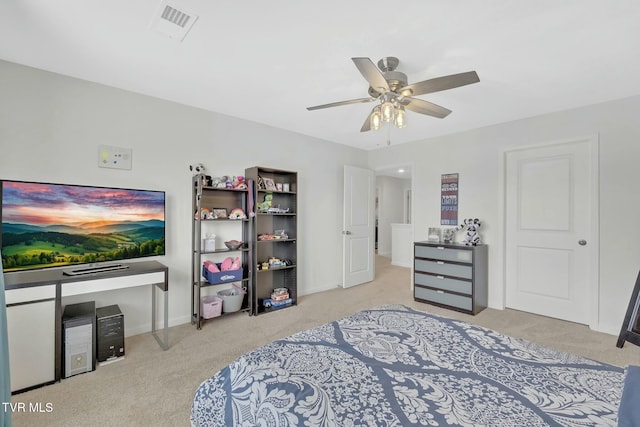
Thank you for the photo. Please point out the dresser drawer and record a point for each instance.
(445, 254)
(445, 283)
(441, 297)
(443, 268)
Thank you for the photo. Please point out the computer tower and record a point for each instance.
(110, 334)
(78, 338)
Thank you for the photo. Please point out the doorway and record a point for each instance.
(394, 214)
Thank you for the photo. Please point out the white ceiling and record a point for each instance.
(266, 61)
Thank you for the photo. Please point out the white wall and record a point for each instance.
(51, 126)
(390, 209)
(476, 156)
(50, 130)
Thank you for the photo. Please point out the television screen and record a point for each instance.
(53, 225)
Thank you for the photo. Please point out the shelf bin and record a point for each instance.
(231, 299)
(211, 306)
(221, 276)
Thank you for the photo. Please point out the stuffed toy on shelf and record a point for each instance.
(471, 236)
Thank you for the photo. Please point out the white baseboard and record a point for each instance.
(146, 328)
(401, 264)
(319, 289)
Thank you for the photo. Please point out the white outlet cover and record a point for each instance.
(114, 157)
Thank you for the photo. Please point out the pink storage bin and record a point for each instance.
(210, 306)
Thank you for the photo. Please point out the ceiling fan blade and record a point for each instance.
(440, 83)
(337, 104)
(425, 107)
(370, 72)
(366, 126)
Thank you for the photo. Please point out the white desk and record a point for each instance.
(34, 314)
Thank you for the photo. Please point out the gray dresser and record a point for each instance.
(452, 276)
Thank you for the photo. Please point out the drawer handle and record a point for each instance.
(440, 277)
(441, 248)
(440, 262)
(440, 292)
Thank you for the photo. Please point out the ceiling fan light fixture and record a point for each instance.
(376, 118)
(388, 111)
(401, 117)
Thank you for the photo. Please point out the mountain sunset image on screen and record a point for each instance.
(52, 225)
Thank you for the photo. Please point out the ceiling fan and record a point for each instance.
(390, 88)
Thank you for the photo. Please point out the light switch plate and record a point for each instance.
(114, 157)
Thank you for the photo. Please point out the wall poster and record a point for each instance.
(449, 199)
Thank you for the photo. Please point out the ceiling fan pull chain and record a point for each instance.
(388, 134)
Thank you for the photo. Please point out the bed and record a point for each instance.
(395, 366)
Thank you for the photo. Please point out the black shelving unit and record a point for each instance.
(209, 198)
(268, 242)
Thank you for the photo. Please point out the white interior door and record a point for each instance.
(358, 232)
(551, 237)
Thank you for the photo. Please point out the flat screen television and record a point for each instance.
(91, 228)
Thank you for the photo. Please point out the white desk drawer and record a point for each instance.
(32, 293)
(108, 284)
(443, 253)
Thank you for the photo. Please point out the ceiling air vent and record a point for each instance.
(175, 16)
(173, 21)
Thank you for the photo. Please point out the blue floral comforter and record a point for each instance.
(395, 366)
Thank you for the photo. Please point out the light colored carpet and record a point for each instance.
(155, 387)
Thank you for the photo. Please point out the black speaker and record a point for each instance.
(78, 338)
(110, 334)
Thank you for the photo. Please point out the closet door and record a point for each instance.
(551, 246)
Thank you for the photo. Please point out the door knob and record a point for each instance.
(346, 232)
(582, 242)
